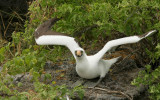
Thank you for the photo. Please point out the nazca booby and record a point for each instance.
(87, 67)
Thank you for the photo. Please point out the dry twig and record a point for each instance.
(111, 92)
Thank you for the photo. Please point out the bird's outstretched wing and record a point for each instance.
(125, 40)
(44, 36)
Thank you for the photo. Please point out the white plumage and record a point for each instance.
(88, 67)
(58, 40)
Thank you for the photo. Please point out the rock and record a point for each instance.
(18, 78)
(124, 65)
(22, 78)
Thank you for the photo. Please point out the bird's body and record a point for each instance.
(87, 67)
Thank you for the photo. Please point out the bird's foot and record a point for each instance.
(81, 81)
(95, 84)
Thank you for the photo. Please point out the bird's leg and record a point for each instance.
(98, 82)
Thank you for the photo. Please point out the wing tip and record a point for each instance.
(45, 27)
(148, 33)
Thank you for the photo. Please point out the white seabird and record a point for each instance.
(87, 67)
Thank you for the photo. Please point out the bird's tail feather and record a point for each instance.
(112, 61)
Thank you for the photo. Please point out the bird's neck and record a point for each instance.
(82, 65)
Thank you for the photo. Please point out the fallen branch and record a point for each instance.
(111, 92)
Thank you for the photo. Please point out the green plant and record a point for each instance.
(2, 51)
(28, 59)
(127, 17)
(150, 77)
(56, 92)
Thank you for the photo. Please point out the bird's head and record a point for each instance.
(79, 52)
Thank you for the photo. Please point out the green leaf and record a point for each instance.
(47, 76)
(20, 84)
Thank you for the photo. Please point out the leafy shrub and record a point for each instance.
(150, 77)
(28, 60)
(2, 53)
(127, 17)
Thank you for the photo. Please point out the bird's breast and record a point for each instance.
(87, 72)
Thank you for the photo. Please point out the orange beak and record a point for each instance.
(78, 53)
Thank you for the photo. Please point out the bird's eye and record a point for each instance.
(81, 52)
